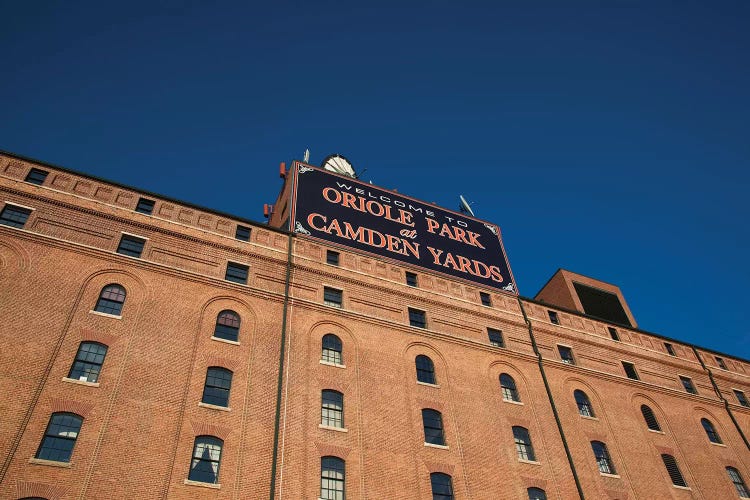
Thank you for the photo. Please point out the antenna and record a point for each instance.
(464, 206)
(306, 156)
(339, 165)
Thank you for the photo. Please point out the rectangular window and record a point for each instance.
(131, 245)
(496, 337)
(242, 233)
(332, 297)
(688, 385)
(566, 355)
(669, 348)
(486, 299)
(417, 318)
(145, 206)
(411, 279)
(721, 363)
(14, 216)
(553, 317)
(237, 273)
(741, 398)
(36, 176)
(613, 334)
(630, 370)
(332, 258)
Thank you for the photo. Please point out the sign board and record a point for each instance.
(350, 213)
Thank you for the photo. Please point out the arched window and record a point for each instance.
(584, 404)
(508, 388)
(603, 460)
(713, 436)
(88, 362)
(674, 472)
(442, 486)
(332, 349)
(650, 418)
(227, 326)
(332, 478)
(739, 484)
(524, 447)
(432, 421)
(425, 369)
(217, 386)
(332, 408)
(111, 300)
(536, 494)
(204, 467)
(60, 437)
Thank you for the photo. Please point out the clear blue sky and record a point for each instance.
(609, 138)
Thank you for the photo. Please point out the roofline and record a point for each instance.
(635, 329)
(138, 190)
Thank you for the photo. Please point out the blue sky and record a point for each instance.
(609, 138)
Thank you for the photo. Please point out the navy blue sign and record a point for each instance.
(344, 211)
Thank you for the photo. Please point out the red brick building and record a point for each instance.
(155, 349)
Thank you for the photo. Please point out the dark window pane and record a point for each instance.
(688, 385)
(433, 427)
(650, 418)
(332, 478)
(442, 486)
(566, 355)
(721, 363)
(508, 388)
(673, 470)
(630, 370)
(332, 349)
(60, 437)
(111, 300)
(242, 233)
(227, 326)
(496, 337)
(36, 176)
(739, 483)
(613, 333)
(332, 258)
(603, 460)
(236, 273)
(145, 206)
(584, 404)
(332, 408)
(536, 494)
(130, 245)
(485, 298)
(14, 216)
(669, 348)
(741, 398)
(553, 317)
(88, 362)
(425, 370)
(332, 297)
(523, 444)
(218, 384)
(417, 318)
(204, 466)
(713, 436)
(411, 279)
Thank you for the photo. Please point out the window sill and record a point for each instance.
(428, 384)
(438, 446)
(217, 339)
(589, 418)
(106, 315)
(328, 363)
(530, 462)
(655, 431)
(215, 486)
(605, 474)
(497, 346)
(214, 407)
(333, 304)
(80, 382)
(513, 402)
(331, 428)
(718, 444)
(687, 488)
(50, 463)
